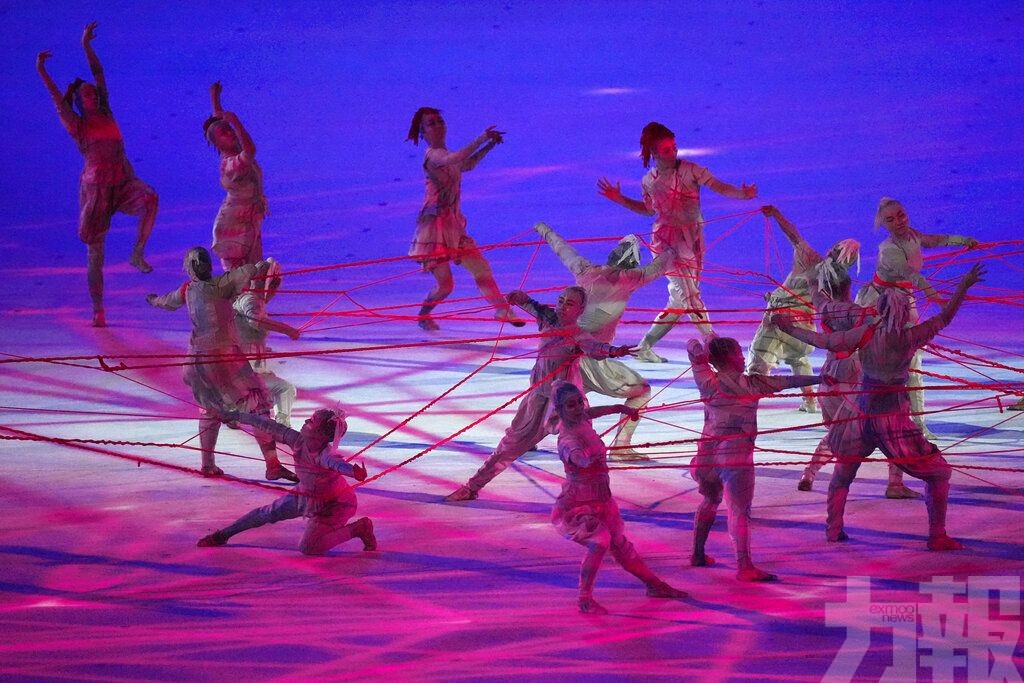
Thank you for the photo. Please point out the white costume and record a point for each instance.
(725, 453)
(322, 496)
(899, 265)
(219, 374)
(558, 356)
(586, 513)
(237, 230)
(674, 197)
(608, 290)
(250, 308)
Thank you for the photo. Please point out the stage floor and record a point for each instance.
(826, 108)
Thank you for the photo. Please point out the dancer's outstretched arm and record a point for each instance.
(614, 193)
(94, 64)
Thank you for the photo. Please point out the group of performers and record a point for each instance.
(873, 397)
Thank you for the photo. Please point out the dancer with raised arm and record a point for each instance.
(608, 289)
(725, 452)
(841, 371)
(585, 511)
(887, 349)
(441, 238)
(323, 496)
(899, 267)
(770, 345)
(238, 228)
(671, 193)
(220, 375)
(108, 184)
(559, 349)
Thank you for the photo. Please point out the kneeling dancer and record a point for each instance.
(323, 497)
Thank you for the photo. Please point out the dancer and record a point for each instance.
(899, 266)
(608, 289)
(108, 184)
(887, 350)
(725, 452)
(831, 298)
(585, 511)
(253, 325)
(794, 296)
(220, 376)
(671, 193)
(237, 230)
(559, 349)
(441, 236)
(323, 497)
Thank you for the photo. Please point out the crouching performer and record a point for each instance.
(886, 423)
(725, 452)
(323, 497)
(585, 511)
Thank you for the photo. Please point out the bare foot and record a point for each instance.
(281, 472)
(836, 537)
(140, 262)
(805, 484)
(99, 319)
(366, 534)
(590, 606)
(212, 471)
(900, 491)
(944, 542)
(661, 589)
(460, 494)
(212, 540)
(428, 325)
(701, 560)
(753, 574)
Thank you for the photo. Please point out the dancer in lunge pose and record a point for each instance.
(887, 349)
(237, 230)
(770, 345)
(559, 349)
(585, 511)
(899, 267)
(323, 496)
(725, 452)
(441, 236)
(671, 193)
(253, 325)
(108, 184)
(841, 372)
(608, 289)
(219, 374)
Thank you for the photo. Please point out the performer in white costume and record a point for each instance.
(253, 325)
(887, 349)
(441, 236)
(725, 452)
(899, 267)
(671, 193)
(558, 355)
(770, 345)
(237, 230)
(585, 511)
(841, 371)
(219, 374)
(608, 289)
(323, 496)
